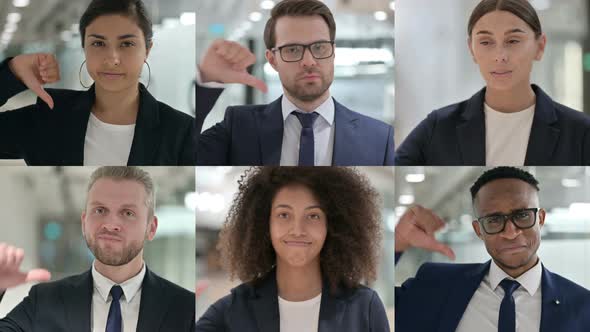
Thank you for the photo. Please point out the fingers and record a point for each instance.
(10, 257)
(38, 275)
(431, 244)
(426, 219)
(48, 68)
(40, 91)
(252, 81)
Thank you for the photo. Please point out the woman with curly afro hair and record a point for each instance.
(303, 241)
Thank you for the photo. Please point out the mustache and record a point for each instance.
(310, 71)
(107, 233)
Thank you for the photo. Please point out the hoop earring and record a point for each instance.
(149, 74)
(80, 75)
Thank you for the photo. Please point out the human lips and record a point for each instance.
(109, 238)
(111, 75)
(501, 73)
(297, 243)
(513, 248)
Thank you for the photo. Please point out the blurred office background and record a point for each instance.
(41, 210)
(434, 67)
(32, 26)
(363, 74)
(216, 187)
(564, 194)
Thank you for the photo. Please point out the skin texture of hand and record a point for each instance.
(36, 70)
(10, 274)
(226, 62)
(416, 228)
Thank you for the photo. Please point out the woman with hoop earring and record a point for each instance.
(116, 121)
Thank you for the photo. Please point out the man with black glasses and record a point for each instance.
(512, 292)
(306, 126)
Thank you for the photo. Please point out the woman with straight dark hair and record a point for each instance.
(116, 121)
(303, 240)
(510, 121)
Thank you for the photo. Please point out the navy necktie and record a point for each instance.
(306, 141)
(114, 320)
(507, 319)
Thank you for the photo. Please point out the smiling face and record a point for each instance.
(514, 249)
(115, 51)
(308, 79)
(298, 226)
(505, 47)
(116, 221)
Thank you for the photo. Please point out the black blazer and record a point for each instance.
(65, 305)
(41, 136)
(256, 309)
(455, 135)
(253, 135)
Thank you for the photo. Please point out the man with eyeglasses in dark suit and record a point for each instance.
(511, 292)
(306, 126)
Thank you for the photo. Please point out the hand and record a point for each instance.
(35, 70)
(416, 228)
(226, 62)
(201, 287)
(10, 275)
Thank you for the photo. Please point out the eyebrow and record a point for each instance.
(129, 35)
(486, 32)
(94, 203)
(290, 207)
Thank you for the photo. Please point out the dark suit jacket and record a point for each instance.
(456, 135)
(256, 309)
(65, 305)
(253, 135)
(435, 300)
(41, 136)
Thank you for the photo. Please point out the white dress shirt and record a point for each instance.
(507, 136)
(323, 133)
(483, 311)
(300, 316)
(107, 144)
(130, 300)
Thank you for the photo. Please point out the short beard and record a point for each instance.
(302, 94)
(128, 254)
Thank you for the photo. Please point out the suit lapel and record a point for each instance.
(76, 122)
(459, 295)
(332, 309)
(265, 304)
(153, 299)
(77, 302)
(145, 139)
(544, 136)
(346, 138)
(552, 304)
(270, 126)
(471, 132)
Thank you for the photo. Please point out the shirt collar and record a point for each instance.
(130, 287)
(325, 110)
(530, 280)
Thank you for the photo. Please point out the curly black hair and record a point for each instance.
(503, 172)
(353, 240)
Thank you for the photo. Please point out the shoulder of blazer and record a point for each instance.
(170, 114)
(169, 288)
(447, 271)
(80, 280)
(571, 116)
(569, 287)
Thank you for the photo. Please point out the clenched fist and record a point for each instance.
(416, 228)
(36, 70)
(226, 62)
(10, 274)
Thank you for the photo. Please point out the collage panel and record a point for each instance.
(97, 249)
(314, 83)
(97, 82)
(295, 249)
(492, 82)
(492, 249)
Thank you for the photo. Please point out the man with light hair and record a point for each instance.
(119, 293)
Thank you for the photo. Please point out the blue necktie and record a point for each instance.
(306, 141)
(507, 319)
(114, 319)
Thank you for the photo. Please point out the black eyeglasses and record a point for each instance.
(294, 52)
(496, 223)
